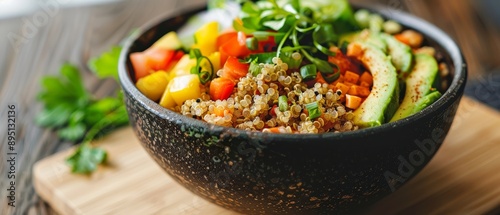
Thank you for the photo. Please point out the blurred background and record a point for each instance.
(37, 36)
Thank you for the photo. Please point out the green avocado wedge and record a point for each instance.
(419, 90)
(383, 100)
(364, 36)
(401, 54)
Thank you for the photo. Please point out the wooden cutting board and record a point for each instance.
(463, 177)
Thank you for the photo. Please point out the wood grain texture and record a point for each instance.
(75, 34)
(131, 183)
(463, 178)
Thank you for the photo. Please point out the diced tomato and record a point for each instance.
(235, 46)
(140, 63)
(234, 69)
(221, 88)
(159, 58)
(153, 59)
(178, 55)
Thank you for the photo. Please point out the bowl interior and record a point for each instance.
(446, 47)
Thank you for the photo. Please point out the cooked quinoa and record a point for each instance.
(253, 104)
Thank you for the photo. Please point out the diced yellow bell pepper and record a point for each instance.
(166, 100)
(185, 87)
(153, 85)
(183, 67)
(206, 38)
(215, 60)
(169, 41)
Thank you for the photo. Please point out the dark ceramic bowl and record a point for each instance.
(254, 172)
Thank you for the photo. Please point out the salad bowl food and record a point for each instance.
(255, 172)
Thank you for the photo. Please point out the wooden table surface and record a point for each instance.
(36, 44)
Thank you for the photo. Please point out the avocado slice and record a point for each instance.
(428, 100)
(401, 54)
(419, 91)
(364, 36)
(383, 100)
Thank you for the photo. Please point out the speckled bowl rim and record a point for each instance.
(430, 31)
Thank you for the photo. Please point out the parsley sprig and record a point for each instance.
(309, 27)
(78, 116)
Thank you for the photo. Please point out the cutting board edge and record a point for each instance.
(42, 186)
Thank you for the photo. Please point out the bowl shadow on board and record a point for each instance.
(254, 172)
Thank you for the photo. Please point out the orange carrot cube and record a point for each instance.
(366, 77)
(353, 102)
(351, 77)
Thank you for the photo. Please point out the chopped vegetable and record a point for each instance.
(411, 38)
(151, 60)
(351, 77)
(308, 72)
(367, 78)
(310, 65)
(313, 110)
(169, 41)
(203, 68)
(234, 69)
(356, 90)
(183, 67)
(252, 44)
(254, 68)
(221, 88)
(206, 38)
(234, 47)
(283, 103)
(353, 102)
(167, 101)
(153, 85)
(184, 88)
(344, 87)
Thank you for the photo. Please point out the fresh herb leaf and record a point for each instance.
(250, 8)
(275, 25)
(308, 72)
(266, 57)
(106, 65)
(73, 132)
(307, 26)
(255, 68)
(76, 115)
(86, 158)
(54, 117)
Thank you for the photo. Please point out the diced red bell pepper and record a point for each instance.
(234, 69)
(221, 88)
(235, 46)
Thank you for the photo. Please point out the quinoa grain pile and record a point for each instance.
(253, 104)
